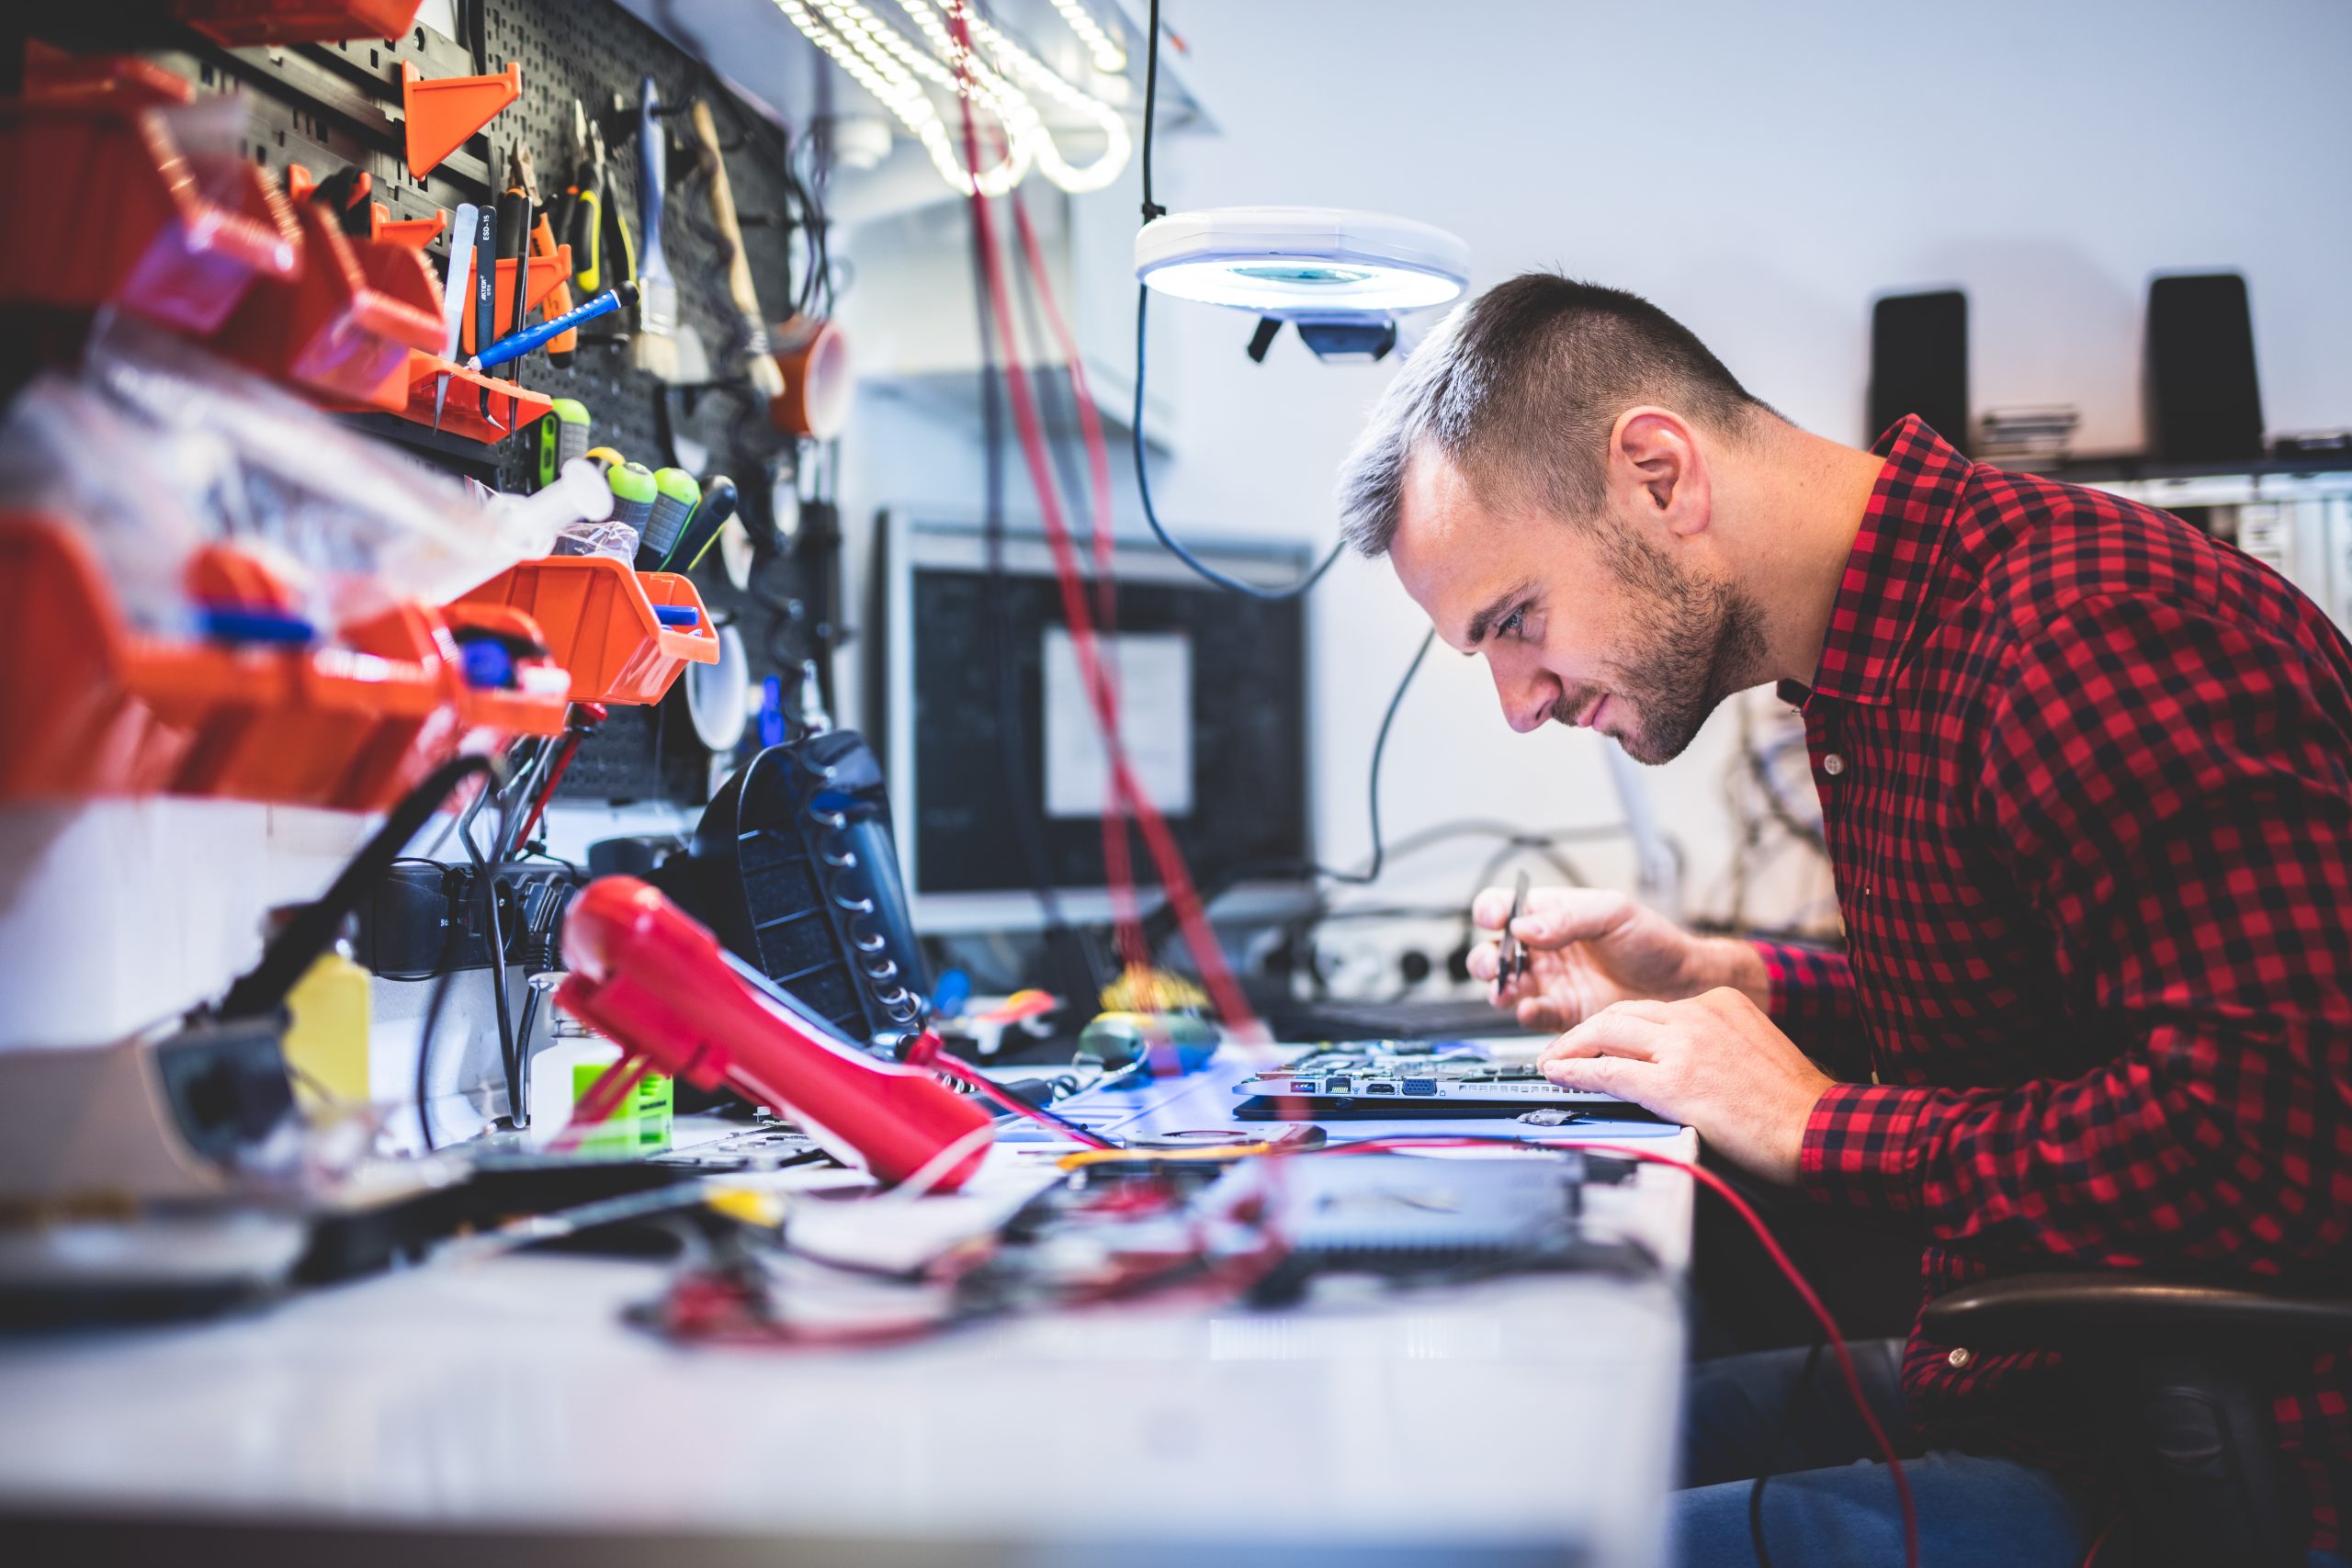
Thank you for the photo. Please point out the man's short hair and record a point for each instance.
(1520, 390)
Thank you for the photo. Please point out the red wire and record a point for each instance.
(1755, 1221)
(1224, 990)
(1117, 866)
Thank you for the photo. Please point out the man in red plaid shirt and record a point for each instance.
(2086, 785)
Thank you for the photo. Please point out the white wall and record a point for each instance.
(1761, 171)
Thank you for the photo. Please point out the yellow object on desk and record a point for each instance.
(326, 1035)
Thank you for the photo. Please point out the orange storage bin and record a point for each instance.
(599, 621)
(107, 210)
(94, 707)
(516, 407)
(237, 23)
(345, 326)
(545, 273)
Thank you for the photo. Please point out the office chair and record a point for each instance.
(2173, 1368)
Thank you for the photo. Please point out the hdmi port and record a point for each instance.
(1380, 1089)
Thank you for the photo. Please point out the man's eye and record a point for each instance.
(1510, 625)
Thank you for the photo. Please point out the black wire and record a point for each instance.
(1152, 209)
(312, 930)
(424, 1056)
(1160, 922)
(1151, 513)
(486, 875)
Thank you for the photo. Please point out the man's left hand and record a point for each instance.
(1714, 1062)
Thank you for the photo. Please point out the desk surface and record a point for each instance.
(1522, 1415)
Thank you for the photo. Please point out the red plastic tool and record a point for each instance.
(648, 977)
(442, 114)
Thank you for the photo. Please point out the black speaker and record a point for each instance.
(1919, 363)
(2204, 403)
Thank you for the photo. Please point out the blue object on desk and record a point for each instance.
(949, 994)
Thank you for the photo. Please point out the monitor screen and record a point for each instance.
(996, 759)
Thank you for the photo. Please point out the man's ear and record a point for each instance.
(1654, 466)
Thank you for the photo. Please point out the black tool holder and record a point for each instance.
(796, 869)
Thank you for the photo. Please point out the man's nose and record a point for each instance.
(1527, 696)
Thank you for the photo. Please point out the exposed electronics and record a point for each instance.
(1407, 1218)
(1919, 363)
(1399, 1078)
(999, 785)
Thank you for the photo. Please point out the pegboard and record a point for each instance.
(330, 105)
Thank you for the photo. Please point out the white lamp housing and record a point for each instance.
(1300, 263)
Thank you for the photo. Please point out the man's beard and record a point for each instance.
(1694, 642)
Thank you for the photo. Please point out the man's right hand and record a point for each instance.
(1588, 947)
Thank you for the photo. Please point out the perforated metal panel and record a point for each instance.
(326, 107)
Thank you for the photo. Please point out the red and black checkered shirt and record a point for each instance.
(2086, 782)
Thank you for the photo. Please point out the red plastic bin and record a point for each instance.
(237, 23)
(96, 708)
(345, 326)
(107, 210)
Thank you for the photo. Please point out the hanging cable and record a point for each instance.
(1215, 973)
(1152, 209)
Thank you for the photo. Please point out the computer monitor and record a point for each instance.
(1215, 719)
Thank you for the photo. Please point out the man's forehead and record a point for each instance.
(1448, 551)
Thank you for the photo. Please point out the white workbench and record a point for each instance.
(503, 1409)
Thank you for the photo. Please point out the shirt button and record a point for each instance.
(1832, 764)
(1960, 1358)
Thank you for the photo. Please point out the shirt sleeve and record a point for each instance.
(2170, 788)
(1814, 1003)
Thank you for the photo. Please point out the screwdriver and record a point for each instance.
(719, 499)
(517, 345)
(677, 497)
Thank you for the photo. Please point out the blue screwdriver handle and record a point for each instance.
(517, 345)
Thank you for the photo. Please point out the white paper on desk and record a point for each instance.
(1154, 672)
(879, 1232)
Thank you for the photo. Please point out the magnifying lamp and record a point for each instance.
(1339, 277)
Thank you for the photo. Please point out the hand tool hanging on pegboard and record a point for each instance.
(543, 246)
(751, 349)
(655, 350)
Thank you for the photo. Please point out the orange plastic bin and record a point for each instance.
(599, 621)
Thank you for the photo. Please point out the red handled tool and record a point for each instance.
(660, 987)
